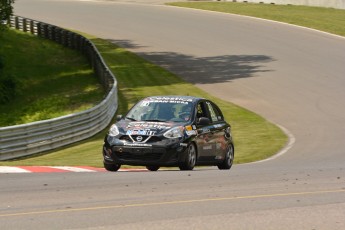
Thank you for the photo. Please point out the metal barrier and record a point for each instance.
(27, 139)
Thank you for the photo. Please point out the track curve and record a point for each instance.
(291, 75)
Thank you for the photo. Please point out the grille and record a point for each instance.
(151, 139)
(126, 138)
(141, 154)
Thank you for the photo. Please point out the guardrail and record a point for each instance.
(27, 139)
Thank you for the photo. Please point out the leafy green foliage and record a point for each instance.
(6, 11)
(7, 82)
(8, 87)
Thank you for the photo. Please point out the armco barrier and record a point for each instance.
(22, 140)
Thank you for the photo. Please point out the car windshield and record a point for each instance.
(161, 109)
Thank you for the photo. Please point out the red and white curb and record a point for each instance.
(54, 169)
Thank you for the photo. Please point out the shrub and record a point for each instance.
(6, 11)
(8, 85)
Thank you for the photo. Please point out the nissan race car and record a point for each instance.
(180, 131)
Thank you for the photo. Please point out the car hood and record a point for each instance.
(147, 128)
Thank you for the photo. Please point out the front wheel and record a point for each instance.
(111, 167)
(190, 160)
(229, 158)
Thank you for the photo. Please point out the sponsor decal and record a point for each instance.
(189, 128)
(183, 144)
(191, 132)
(205, 130)
(218, 157)
(207, 147)
(172, 100)
(148, 125)
(143, 132)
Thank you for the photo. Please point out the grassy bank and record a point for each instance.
(51, 80)
(324, 19)
(138, 78)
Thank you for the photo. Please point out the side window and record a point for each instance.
(201, 110)
(213, 114)
(216, 115)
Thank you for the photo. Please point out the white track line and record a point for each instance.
(73, 169)
(10, 169)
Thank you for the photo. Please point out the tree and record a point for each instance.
(6, 11)
(7, 83)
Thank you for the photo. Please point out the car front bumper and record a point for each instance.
(165, 153)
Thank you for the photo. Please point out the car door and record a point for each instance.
(206, 144)
(218, 130)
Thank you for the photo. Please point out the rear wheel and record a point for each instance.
(229, 158)
(111, 167)
(190, 159)
(152, 168)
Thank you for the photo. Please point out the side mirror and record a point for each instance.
(118, 117)
(204, 121)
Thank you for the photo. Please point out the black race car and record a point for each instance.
(180, 131)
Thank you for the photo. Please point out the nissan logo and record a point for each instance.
(139, 138)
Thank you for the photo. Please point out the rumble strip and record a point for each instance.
(54, 169)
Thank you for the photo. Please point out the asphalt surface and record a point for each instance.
(290, 75)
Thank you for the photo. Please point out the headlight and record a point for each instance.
(113, 131)
(176, 132)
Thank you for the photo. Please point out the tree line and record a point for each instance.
(7, 82)
(6, 11)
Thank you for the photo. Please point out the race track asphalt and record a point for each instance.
(292, 76)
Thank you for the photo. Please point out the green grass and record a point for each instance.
(52, 80)
(324, 19)
(255, 138)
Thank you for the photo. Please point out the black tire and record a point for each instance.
(229, 158)
(190, 159)
(152, 168)
(111, 167)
